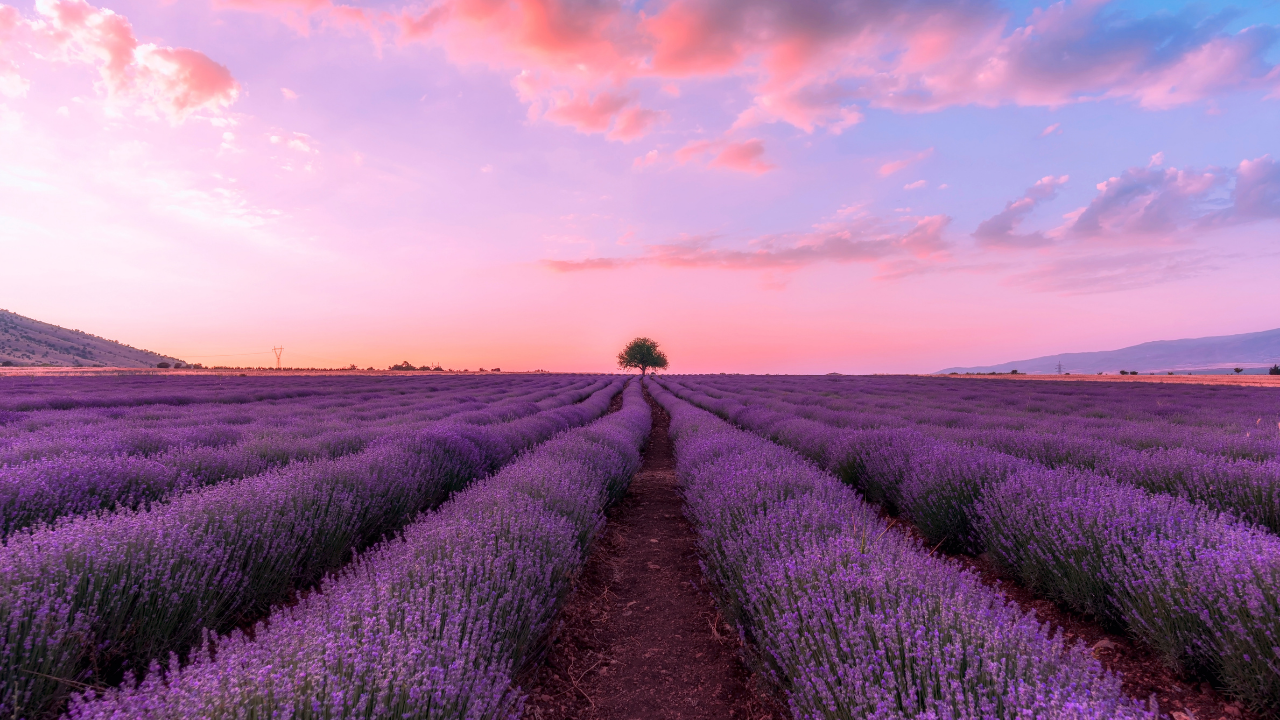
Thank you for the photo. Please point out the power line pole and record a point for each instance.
(1059, 367)
(278, 351)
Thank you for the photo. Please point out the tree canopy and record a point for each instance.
(642, 353)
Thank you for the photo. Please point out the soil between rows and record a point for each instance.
(641, 638)
(1141, 670)
(1143, 674)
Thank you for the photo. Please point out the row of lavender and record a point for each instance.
(1236, 422)
(432, 624)
(23, 393)
(88, 596)
(1197, 585)
(849, 616)
(149, 431)
(1248, 489)
(82, 482)
(951, 405)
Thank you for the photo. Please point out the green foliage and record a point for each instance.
(642, 353)
(1275, 370)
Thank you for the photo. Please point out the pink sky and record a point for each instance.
(760, 185)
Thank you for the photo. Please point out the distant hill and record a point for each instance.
(24, 341)
(1253, 351)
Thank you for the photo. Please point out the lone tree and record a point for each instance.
(642, 353)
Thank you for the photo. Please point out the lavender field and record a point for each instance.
(1153, 508)
(147, 516)
(402, 547)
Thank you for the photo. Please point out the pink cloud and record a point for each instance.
(9, 21)
(647, 160)
(1222, 64)
(1159, 61)
(693, 150)
(587, 114)
(890, 168)
(12, 84)
(173, 82)
(696, 38)
(1159, 225)
(917, 185)
(1151, 201)
(580, 42)
(300, 14)
(1256, 195)
(609, 112)
(746, 156)
(861, 239)
(813, 64)
(818, 65)
(1054, 128)
(418, 27)
(634, 123)
(288, 94)
(299, 142)
(999, 230)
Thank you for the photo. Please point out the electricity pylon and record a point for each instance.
(278, 351)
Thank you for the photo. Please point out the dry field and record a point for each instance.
(1237, 380)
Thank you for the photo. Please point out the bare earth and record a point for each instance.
(641, 637)
(1243, 380)
(1143, 675)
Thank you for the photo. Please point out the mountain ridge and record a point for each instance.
(27, 342)
(1251, 351)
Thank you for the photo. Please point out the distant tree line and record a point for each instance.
(406, 365)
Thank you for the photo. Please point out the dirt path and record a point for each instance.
(641, 638)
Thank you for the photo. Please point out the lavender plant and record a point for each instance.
(432, 624)
(851, 618)
(941, 488)
(1197, 585)
(134, 585)
(77, 483)
(1209, 470)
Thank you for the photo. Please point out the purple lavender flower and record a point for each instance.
(852, 618)
(434, 623)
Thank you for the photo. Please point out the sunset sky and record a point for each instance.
(760, 185)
